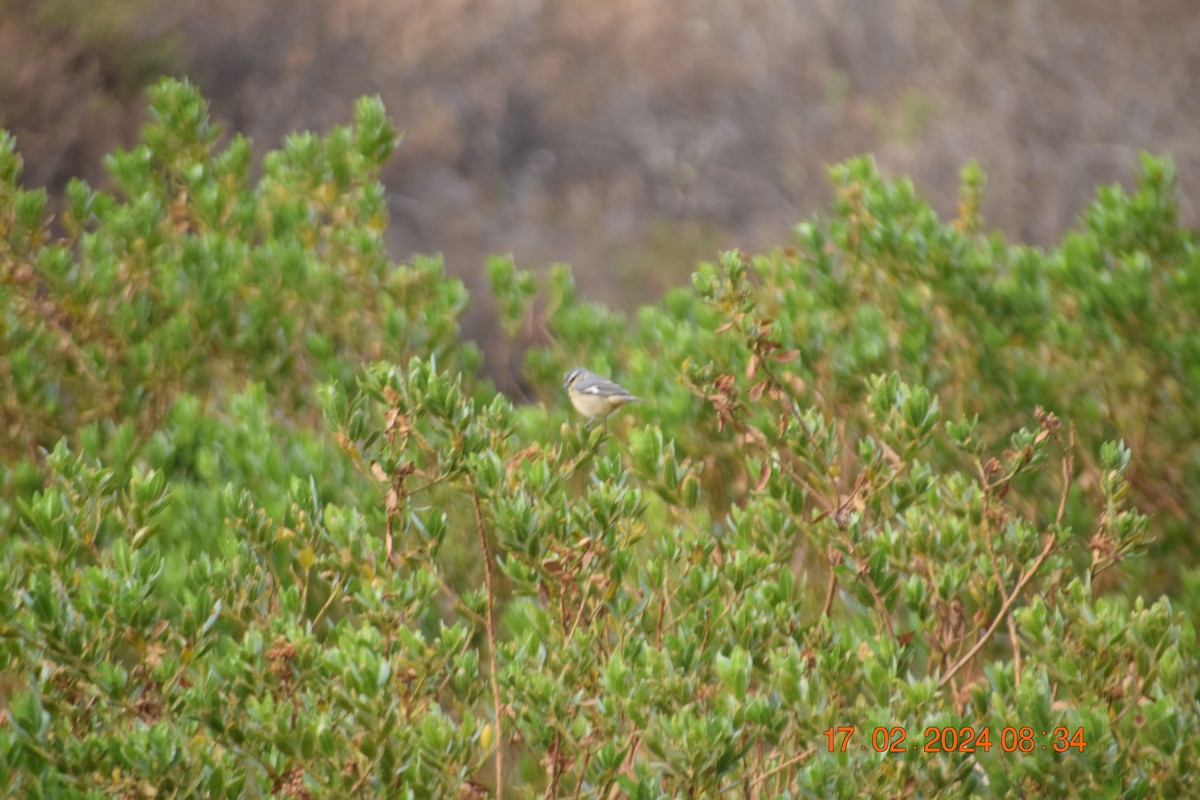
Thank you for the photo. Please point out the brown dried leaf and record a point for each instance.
(796, 382)
(786, 356)
(754, 438)
(764, 475)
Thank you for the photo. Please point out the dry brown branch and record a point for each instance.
(491, 641)
(1004, 609)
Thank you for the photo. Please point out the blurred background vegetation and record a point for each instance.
(628, 138)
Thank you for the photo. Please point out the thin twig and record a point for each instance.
(556, 769)
(880, 605)
(587, 759)
(578, 616)
(830, 591)
(1016, 648)
(987, 542)
(760, 779)
(491, 640)
(845, 504)
(1068, 467)
(1004, 609)
(630, 758)
(459, 604)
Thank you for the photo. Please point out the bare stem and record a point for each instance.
(1004, 609)
(491, 641)
(830, 591)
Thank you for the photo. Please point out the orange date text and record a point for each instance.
(949, 739)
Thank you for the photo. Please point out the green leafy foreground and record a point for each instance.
(265, 533)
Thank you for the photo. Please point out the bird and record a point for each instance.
(594, 396)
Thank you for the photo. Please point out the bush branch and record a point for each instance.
(491, 641)
(1004, 609)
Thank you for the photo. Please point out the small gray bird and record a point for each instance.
(594, 396)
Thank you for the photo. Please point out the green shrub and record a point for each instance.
(194, 278)
(875, 501)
